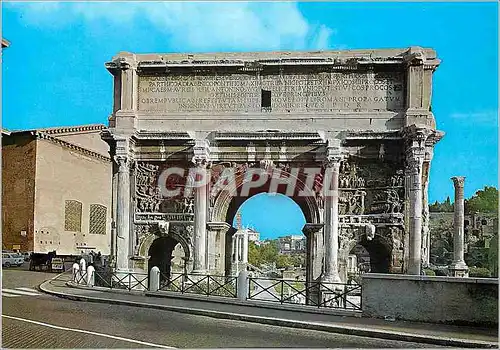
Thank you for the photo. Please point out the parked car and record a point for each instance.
(12, 259)
(26, 256)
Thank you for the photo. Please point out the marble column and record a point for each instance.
(122, 212)
(200, 223)
(458, 266)
(331, 219)
(414, 169)
(233, 250)
(245, 247)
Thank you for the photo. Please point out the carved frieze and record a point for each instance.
(350, 177)
(155, 217)
(352, 203)
(141, 232)
(387, 201)
(178, 205)
(347, 234)
(375, 219)
(148, 196)
(183, 233)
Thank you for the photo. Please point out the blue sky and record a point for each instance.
(53, 73)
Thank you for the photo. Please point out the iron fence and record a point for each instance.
(121, 280)
(79, 277)
(316, 293)
(209, 285)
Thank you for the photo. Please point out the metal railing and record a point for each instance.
(121, 280)
(318, 294)
(80, 277)
(209, 285)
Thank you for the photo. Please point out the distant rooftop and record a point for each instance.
(65, 129)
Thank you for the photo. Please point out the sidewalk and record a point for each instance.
(396, 330)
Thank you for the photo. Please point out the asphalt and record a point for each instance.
(47, 321)
(423, 333)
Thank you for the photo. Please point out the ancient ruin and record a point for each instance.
(363, 118)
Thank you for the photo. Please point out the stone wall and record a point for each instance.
(18, 190)
(451, 300)
(64, 175)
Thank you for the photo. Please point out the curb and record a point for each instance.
(355, 331)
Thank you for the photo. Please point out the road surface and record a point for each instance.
(31, 319)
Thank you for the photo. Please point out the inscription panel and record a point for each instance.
(318, 92)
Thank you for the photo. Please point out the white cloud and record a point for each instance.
(194, 25)
(483, 117)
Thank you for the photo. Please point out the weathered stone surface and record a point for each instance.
(317, 92)
(431, 299)
(283, 111)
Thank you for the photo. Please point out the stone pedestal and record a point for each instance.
(458, 267)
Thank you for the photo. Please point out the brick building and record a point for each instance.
(56, 190)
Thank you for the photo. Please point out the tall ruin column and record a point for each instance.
(122, 212)
(201, 181)
(458, 266)
(426, 239)
(331, 212)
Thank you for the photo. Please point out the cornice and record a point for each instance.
(255, 61)
(73, 129)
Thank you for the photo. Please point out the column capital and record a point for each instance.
(201, 153)
(122, 161)
(311, 228)
(458, 181)
(417, 136)
(333, 155)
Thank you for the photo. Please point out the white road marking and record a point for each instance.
(89, 332)
(16, 291)
(9, 295)
(29, 290)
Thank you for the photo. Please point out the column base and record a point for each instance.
(334, 278)
(198, 272)
(459, 269)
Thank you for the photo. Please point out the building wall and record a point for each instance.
(18, 191)
(451, 300)
(90, 140)
(64, 174)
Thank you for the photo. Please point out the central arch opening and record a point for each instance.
(272, 214)
(272, 223)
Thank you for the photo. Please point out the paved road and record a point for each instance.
(43, 321)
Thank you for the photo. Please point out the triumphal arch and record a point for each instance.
(348, 135)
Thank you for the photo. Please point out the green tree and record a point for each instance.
(254, 257)
(263, 254)
(493, 256)
(283, 261)
(483, 201)
(444, 207)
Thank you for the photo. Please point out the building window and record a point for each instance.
(73, 216)
(97, 219)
